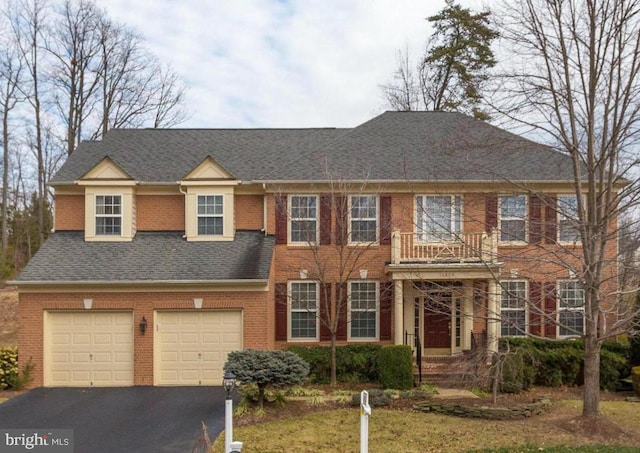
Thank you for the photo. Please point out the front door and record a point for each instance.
(437, 319)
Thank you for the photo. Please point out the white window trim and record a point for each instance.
(560, 215)
(290, 220)
(191, 212)
(291, 338)
(418, 221)
(221, 216)
(377, 293)
(526, 306)
(526, 220)
(377, 220)
(97, 216)
(567, 309)
(127, 213)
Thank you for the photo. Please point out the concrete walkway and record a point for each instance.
(453, 394)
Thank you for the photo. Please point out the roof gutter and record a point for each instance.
(245, 282)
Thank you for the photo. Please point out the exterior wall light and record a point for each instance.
(143, 325)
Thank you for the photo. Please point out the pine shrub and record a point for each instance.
(395, 365)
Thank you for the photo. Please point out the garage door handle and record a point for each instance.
(91, 356)
(199, 355)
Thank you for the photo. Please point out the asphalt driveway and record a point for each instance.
(121, 420)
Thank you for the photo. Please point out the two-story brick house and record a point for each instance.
(173, 247)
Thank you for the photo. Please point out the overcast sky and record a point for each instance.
(281, 63)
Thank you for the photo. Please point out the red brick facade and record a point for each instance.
(535, 263)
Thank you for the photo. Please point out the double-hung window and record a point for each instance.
(513, 306)
(567, 219)
(304, 219)
(303, 310)
(364, 218)
(363, 310)
(210, 215)
(570, 308)
(513, 218)
(438, 217)
(108, 215)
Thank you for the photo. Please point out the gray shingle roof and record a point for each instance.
(395, 146)
(66, 257)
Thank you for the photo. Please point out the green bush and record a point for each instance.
(354, 363)
(635, 377)
(377, 398)
(395, 364)
(634, 350)
(557, 363)
(9, 371)
(512, 380)
(263, 368)
(613, 367)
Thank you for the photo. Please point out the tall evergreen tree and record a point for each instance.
(451, 74)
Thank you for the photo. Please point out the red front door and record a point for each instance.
(437, 320)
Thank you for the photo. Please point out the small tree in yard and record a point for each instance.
(263, 368)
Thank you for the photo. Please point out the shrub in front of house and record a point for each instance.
(512, 376)
(266, 368)
(635, 377)
(354, 363)
(556, 363)
(634, 350)
(9, 370)
(395, 364)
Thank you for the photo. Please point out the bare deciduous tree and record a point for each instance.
(573, 76)
(10, 77)
(336, 251)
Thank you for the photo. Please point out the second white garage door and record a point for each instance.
(191, 347)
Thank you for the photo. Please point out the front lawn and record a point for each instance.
(392, 430)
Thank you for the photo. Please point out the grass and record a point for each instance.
(392, 430)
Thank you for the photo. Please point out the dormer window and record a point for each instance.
(210, 215)
(108, 215)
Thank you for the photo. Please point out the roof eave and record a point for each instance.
(32, 283)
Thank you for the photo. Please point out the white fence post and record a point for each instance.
(365, 412)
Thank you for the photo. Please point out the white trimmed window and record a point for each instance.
(513, 308)
(303, 219)
(438, 217)
(363, 218)
(363, 310)
(567, 219)
(303, 310)
(513, 218)
(210, 215)
(108, 215)
(570, 308)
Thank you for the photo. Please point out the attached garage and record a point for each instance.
(191, 347)
(88, 349)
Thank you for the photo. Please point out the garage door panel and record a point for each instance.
(189, 337)
(89, 348)
(204, 338)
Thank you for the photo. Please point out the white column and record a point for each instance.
(493, 312)
(398, 313)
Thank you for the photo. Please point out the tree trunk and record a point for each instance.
(591, 389)
(5, 184)
(334, 377)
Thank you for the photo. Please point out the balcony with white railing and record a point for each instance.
(462, 248)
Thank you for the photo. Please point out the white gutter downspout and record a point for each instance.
(184, 236)
(264, 209)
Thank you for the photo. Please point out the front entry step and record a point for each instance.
(453, 371)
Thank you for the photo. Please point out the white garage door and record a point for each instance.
(89, 349)
(191, 347)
